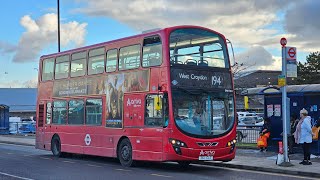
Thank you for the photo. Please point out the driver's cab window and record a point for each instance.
(156, 110)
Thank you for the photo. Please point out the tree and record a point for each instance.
(238, 69)
(309, 72)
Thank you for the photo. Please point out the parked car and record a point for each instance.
(249, 120)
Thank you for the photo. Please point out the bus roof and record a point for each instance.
(125, 38)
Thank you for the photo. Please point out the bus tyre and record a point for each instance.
(125, 153)
(56, 146)
(184, 164)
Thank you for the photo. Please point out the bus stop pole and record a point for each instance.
(284, 106)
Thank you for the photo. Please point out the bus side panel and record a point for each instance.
(72, 138)
(101, 143)
(150, 146)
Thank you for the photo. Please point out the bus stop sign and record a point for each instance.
(283, 42)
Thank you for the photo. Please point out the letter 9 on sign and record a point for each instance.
(216, 80)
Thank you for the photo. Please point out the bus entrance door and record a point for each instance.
(40, 128)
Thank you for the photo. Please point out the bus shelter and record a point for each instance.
(299, 96)
(4, 119)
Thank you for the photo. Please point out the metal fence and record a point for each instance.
(248, 134)
(22, 127)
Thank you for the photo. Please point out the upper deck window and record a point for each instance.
(78, 64)
(47, 69)
(152, 51)
(96, 61)
(62, 67)
(198, 47)
(129, 57)
(112, 57)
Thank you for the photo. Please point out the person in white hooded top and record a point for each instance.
(303, 135)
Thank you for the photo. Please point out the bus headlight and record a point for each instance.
(177, 144)
(232, 145)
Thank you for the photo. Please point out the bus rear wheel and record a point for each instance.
(125, 153)
(56, 146)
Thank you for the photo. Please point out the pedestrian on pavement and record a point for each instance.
(265, 134)
(303, 135)
(316, 130)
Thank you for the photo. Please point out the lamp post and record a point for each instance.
(58, 6)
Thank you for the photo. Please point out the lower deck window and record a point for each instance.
(94, 111)
(59, 112)
(76, 112)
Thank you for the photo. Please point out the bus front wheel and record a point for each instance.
(56, 146)
(125, 153)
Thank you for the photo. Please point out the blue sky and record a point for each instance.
(254, 26)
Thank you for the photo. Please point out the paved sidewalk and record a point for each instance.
(250, 159)
(27, 140)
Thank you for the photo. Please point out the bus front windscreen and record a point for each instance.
(203, 115)
(191, 46)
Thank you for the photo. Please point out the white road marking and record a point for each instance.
(18, 177)
(45, 158)
(160, 175)
(92, 165)
(259, 172)
(16, 145)
(123, 170)
(27, 155)
(68, 162)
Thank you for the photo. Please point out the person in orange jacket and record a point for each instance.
(265, 133)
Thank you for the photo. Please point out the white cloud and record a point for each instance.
(42, 32)
(6, 47)
(303, 21)
(4, 83)
(243, 22)
(257, 58)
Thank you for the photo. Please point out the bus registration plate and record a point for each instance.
(205, 158)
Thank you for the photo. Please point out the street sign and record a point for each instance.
(291, 61)
(281, 80)
(291, 53)
(283, 42)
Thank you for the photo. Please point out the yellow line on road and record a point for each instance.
(160, 175)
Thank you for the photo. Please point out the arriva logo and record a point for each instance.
(206, 153)
(134, 102)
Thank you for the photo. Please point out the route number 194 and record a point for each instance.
(216, 80)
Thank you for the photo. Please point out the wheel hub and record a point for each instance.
(125, 152)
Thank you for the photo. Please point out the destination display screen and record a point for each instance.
(201, 79)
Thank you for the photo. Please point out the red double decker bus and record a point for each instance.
(165, 95)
